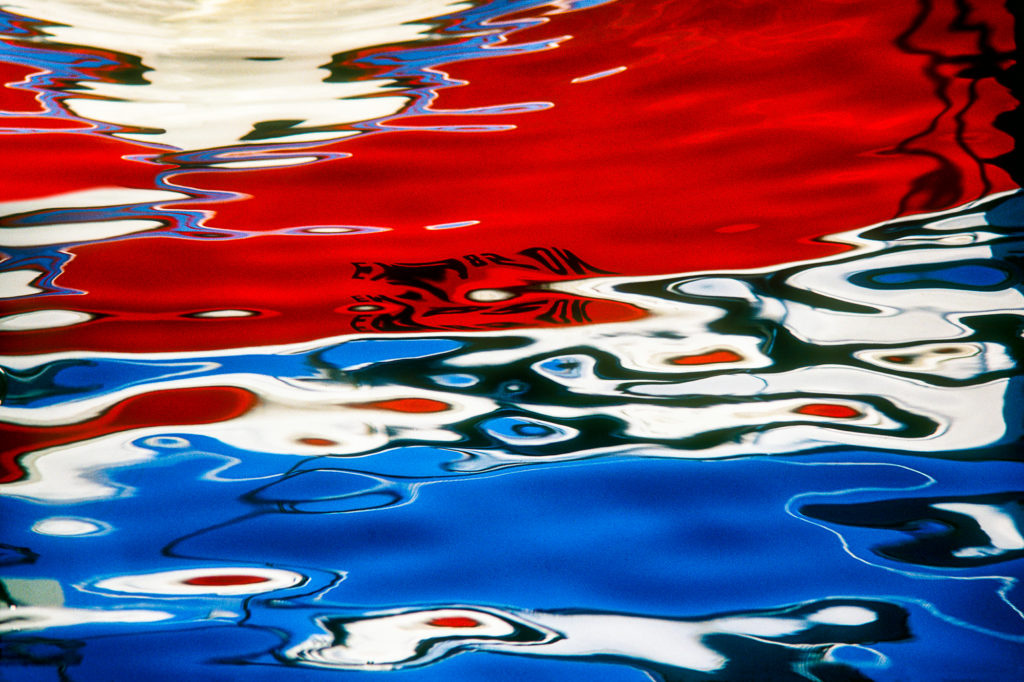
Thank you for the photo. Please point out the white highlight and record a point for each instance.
(843, 615)
(280, 161)
(489, 295)
(43, 319)
(216, 314)
(66, 526)
(452, 226)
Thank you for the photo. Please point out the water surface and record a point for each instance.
(593, 339)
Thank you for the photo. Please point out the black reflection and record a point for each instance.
(943, 186)
(12, 556)
(945, 532)
(419, 296)
(41, 652)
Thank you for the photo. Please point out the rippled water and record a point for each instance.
(629, 340)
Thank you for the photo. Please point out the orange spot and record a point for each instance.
(828, 410)
(454, 622)
(897, 359)
(321, 442)
(713, 357)
(224, 580)
(413, 405)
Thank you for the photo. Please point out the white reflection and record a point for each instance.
(222, 581)
(217, 68)
(899, 315)
(1000, 527)
(27, 618)
(65, 231)
(404, 639)
(67, 526)
(43, 319)
(15, 283)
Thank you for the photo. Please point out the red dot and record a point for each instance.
(415, 405)
(323, 442)
(224, 580)
(898, 359)
(828, 410)
(454, 622)
(707, 358)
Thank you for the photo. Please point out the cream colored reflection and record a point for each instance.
(218, 68)
(291, 418)
(393, 641)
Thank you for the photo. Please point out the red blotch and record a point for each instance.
(412, 405)
(225, 580)
(713, 357)
(897, 359)
(321, 442)
(454, 622)
(828, 410)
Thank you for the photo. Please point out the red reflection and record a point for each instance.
(224, 580)
(828, 410)
(454, 622)
(320, 442)
(708, 358)
(409, 405)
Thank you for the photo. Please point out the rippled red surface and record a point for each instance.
(736, 136)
